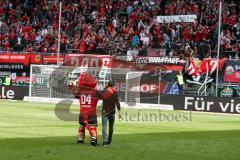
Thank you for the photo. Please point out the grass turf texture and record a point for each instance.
(32, 131)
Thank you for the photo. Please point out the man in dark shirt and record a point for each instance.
(110, 101)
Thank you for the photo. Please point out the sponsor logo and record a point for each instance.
(141, 62)
(37, 58)
(226, 92)
(7, 94)
(165, 60)
(229, 70)
(211, 105)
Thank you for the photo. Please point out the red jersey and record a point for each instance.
(6, 45)
(33, 36)
(88, 101)
(12, 36)
(87, 95)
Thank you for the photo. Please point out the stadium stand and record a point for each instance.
(118, 26)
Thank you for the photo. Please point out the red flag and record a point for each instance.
(192, 68)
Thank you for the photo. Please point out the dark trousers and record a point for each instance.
(108, 119)
(180, 89)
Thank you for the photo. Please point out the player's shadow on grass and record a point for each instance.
(166, 145)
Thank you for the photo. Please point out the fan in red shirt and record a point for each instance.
(54, 48)
(33, 36)
(186, 34)
(7, 45)
(29, 48)
(82, 47)
(88, 97)
(76, 43)
(25, 18)
(12, 37)
(26, 37)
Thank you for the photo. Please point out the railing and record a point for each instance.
(99, 51)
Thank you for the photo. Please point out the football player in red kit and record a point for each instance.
(88, 97)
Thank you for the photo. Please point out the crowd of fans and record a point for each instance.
(118, 26)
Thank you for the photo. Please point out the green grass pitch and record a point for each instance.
(32, 132)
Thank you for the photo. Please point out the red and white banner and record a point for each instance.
(197, 67)
(52, 59)
(87, 60)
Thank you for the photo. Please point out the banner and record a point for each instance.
(22, 81)
(18, 61)
(87, 60)
(228, 90)
(152, 64)
(198, 103)
(13, 92)
(177, 18)
(198, 67)
(23, 59)
(52, 59)
(232, 71)
(201, 71)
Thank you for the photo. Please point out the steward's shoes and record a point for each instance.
(105, 143)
